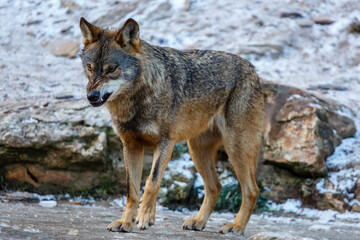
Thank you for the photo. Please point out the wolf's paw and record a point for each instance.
(237, 229)
(145, 218)
(194, 224)
(120, 226)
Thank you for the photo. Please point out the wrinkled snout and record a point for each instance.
(95, 98)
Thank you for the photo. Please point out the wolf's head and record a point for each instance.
(109, 60)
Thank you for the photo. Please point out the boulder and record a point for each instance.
(301, 130)
(62, 144)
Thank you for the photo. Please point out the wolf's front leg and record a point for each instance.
(162, 155)
(133, 156)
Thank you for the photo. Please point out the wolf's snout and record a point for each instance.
(93, 96)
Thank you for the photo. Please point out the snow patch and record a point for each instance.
(227, 178)
(119, 202)
(45, 197)
(48, 203)
(180, 166)
(199, 186)
(322, 216)
(295, 96)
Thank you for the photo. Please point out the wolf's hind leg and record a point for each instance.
(133, 156)
(242, 140)
(203, 151)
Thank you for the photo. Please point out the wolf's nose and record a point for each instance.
(93, 96)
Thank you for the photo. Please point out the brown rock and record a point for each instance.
(69, 4)
(355, 208)
(343, 126)
(357, 189)
(69, 145)
(67, 49)
(332, 203)
(18, 173)
(299, 134)
(323, 20)
(354, 27)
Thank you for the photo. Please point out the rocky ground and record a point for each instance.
(65, 220)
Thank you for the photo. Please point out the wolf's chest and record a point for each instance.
(145, 132)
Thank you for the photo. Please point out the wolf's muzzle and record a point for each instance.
(95, 99)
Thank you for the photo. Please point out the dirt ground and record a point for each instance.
(22, 220)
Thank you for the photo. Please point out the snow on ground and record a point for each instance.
(294, 206)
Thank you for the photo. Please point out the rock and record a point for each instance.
(33, 22)
(277, 236)
(354, 27)
(69, 4)
(329, 201)
(67, 49)
(115, 16)
(357, 189)
(355, 208)
(329, 86)
(291, 15)
(343, 125)
(299, 134)
(323, 20)
(63, 95)
(21, 196)
(278, 184)
(261, 50)
(65, 145)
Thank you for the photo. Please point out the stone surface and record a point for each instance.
(21, 196)
(259, 50)
(67, 49)
(355, 208)
(277, 236)
(323, 20)
(66, 145)
(35, 80)
(68, 221)
(301, 131)
(357, 189)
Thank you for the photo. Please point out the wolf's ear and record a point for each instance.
(128, 35)
(89, 31)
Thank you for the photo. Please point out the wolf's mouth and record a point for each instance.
(101, 101)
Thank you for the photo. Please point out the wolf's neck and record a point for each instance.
(122, 108)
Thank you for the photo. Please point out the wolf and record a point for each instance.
(158, 96)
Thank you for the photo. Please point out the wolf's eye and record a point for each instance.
(88, 66)
(112, 69)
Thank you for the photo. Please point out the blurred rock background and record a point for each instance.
(307, 53)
